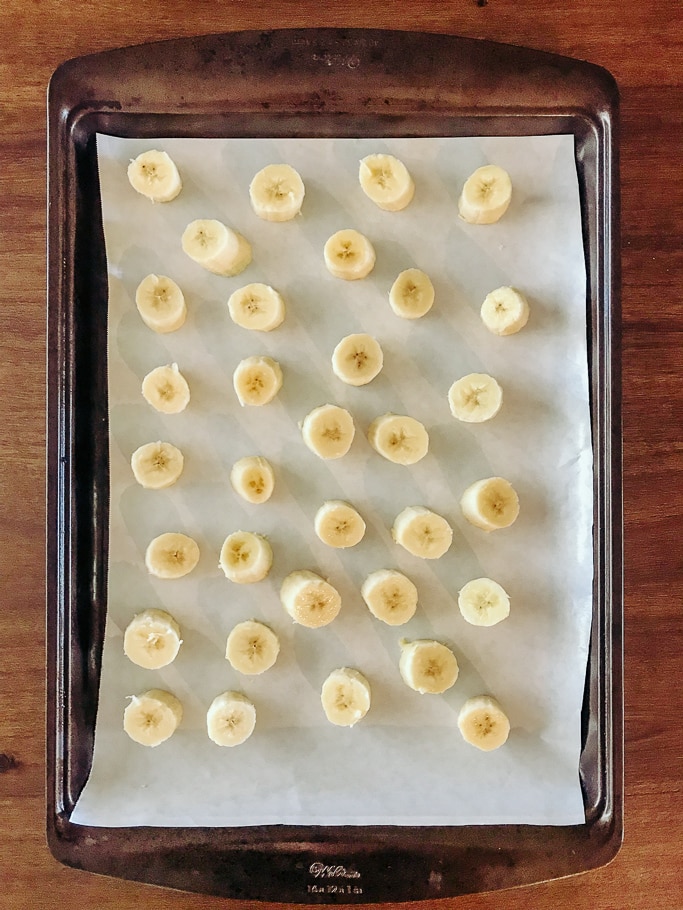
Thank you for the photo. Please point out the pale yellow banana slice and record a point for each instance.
(252, 647)
(338, 524)
(155, 175)
(160, 303)
(157, 465)
(257, 307)
(152, 717)
(483, 723)
(216, 247)
(483, 602)
(246, 557)
(345, 697)
(398, 438)
(277, 192)
(309, 599)
(386, 180)
(357, 359)
(253, 479)
(486, 195)
(422, 532)
(490, 504)
(505, 311)
(152, 639)
(349, 255)
(390, 596)
(171, 555)
(427, 666)
(475, 398)
(257, 380)
(166, 389)
(328, 431)
(231, 719)
(412, 294)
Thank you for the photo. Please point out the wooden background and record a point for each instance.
(641, 43)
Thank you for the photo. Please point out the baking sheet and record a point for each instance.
(405, 764)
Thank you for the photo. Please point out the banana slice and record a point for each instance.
(386, 181)
(427, 666)
(245, 557)
(157, 465)
(483, 602)
(505, 311)
(277, 193)
(166, 389)
(252, 648)
(171, 555)
(412, 294)
(257, 380)
(231, 719)
(398, 438)
(257, 307)
(216, 247)
(345, 697)
(490, 504)
(357, 359)
(390, 596)
(422, 532)
(483, 723)
(152, 639)
(349, 255)
(328, 431)
(309, 599)
(155, 175)
(253, 479)
(160, 303)
(151, 718)
(338, 524)
(486, 195)
(475, 398)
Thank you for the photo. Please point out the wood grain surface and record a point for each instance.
(642, 45)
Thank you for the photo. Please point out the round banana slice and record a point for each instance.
(216, 247)
(328, 431)
(422, 532)
(338, 524)
(412, 294)
(252, 648)
(349, 255)
(277, 193)
(160, 303)
(427, 666)
(152, 717)
(257, 307)
(152, 639)
(345, 697)
(253, 479)
(309, 599)
(386, 181)
(357, 359)
(166, 389)
(486, 195)
(231, 719)
(398, 438)
(505, 311)
(157, 465)
(171, 555)
(390, 596)
(483, 602)
(246, 557)
(490, 504)
(155, 175)
(483, 723)
(257, 380)
(475, 398)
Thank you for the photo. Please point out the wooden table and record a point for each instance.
(642, 45)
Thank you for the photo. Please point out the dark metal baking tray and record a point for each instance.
(310, 83)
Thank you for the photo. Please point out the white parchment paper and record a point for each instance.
(405, 763)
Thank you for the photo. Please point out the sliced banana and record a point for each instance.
(257, 307)
(328, 431)
(486, 195)
(216, 247)
(338, 524)
(349, 255)
(160, 303)
(483, 602)
(252, 647)
(166, 389)
(231, 719)
(422, 532)
(152, 717)
(483, 723)
(253, 479)
(152, 639)
(157, 465)
(412, 294)
(490, 504)
(398, 438)
(505, 311)
(257, 380)
(427, 666)
(390, 596)
(277, 192)
(309, 599)
(246, 557)
(345, 697)
(155, 175)
(357, 359)
(475, 398)
(171, 555)
(386, 180)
